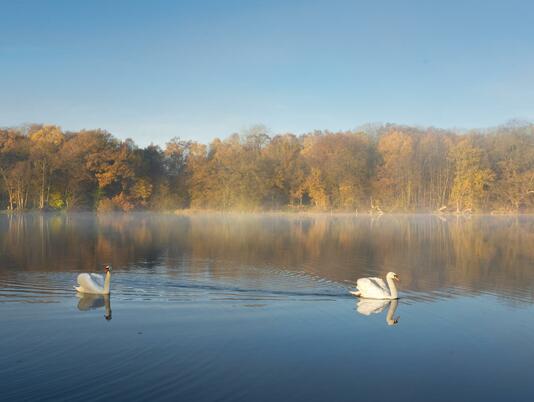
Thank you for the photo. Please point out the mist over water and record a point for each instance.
(434, 255)
(256, 307)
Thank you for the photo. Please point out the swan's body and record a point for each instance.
(94, 283)
(376, 288)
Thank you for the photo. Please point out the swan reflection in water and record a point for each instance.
(373, 306)
(91, 302)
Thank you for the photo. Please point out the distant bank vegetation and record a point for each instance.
(387, 168)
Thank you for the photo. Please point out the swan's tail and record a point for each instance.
(356, 293)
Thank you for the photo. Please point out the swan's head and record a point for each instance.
(107, 268)
(392, 275)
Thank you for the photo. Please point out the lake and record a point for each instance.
(243, 307)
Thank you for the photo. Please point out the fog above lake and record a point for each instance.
(434, 256)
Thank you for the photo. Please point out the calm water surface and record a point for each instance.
(256, 308)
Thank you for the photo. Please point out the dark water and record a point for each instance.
(256, 308)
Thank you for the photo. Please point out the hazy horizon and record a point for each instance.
(368, 128)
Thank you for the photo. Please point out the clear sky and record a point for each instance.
(151, 70)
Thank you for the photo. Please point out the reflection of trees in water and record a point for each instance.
(496, 251)
(480, 253)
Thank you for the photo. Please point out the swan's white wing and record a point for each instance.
(87, 285)
(372, 288)
(380, 282)
(370, 306)
(99, 279)
(369, 284)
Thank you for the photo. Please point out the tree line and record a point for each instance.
(388, 168)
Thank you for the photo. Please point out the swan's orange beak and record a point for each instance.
(396, 277)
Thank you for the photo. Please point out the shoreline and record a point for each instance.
(310, 212)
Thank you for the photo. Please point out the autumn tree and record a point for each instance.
(45, 143)
(472, 178)
(511, 154)
(15, 169)
(435, 170)
(199, 175)
(397, 177)
(286, 170)
(392, 168)
(339, 168)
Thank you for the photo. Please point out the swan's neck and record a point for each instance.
(107, 283)
(392, 289)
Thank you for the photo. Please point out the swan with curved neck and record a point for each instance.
(95, 283)
(375, 288)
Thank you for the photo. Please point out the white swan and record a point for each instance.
(95, 283)
(375, 288)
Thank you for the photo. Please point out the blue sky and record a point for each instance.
(151, 70)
